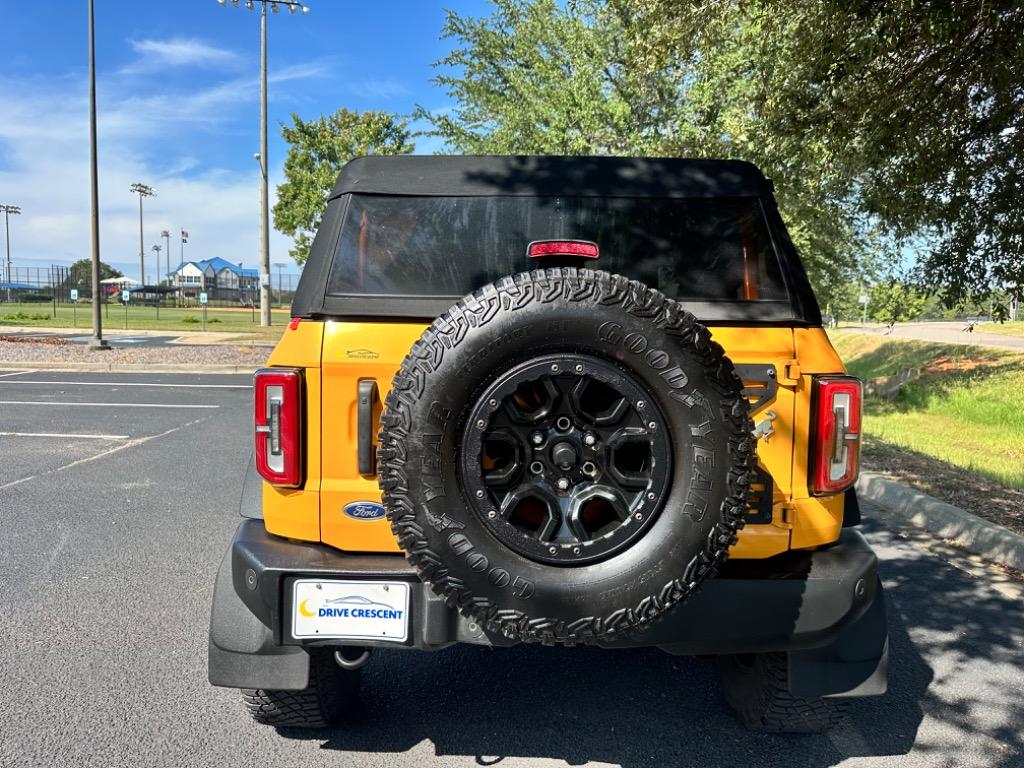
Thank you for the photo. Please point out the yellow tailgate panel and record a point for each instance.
(354, 351)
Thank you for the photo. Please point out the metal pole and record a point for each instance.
(142, 248)
(97, 341)
(264, 166)
(7, 223)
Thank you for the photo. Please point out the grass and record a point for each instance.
(967, 408)
(143, 318)
(1004, 329)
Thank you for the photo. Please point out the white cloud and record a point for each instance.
(178, 52)
(157, 139)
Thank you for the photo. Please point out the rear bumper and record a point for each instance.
(823, 607)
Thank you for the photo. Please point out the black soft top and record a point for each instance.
(484, 175)
(478, 175)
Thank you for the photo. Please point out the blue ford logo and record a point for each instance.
(364, 510)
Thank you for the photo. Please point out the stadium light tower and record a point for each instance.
(166, 235)
(8, 210)
(156, 249)
(143, 191)
(262, 156)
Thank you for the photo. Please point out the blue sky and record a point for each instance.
(178, 94)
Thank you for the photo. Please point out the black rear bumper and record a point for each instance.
(825, 608)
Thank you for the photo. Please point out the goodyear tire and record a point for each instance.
(565, 456)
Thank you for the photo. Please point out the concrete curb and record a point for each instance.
(126, 367)
(912, 507)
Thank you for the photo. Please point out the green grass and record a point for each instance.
(1004, 329)
(142, 318)
(967, 409)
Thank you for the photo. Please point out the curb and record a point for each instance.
(912, 507)
(127, 367)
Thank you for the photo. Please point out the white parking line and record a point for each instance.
(58, 434)
(128, 384)
(117, 448)
(16, 373)
(103, 405)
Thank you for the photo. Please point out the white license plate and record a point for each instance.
(364, 610)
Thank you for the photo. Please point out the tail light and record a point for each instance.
(583, 249)
(278, 417)
(835, 455)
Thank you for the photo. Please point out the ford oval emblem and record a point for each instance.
(364, 510)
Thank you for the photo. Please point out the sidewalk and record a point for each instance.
(180, 337)
(945, 333)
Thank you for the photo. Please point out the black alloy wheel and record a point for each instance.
(567, 459)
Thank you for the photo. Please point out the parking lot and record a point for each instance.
(118, 496)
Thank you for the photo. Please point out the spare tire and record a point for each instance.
(565, 455)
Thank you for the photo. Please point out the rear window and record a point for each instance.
(697, 249)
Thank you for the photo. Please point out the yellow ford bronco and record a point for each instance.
(553, 400)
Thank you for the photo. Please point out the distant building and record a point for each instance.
(218, 278)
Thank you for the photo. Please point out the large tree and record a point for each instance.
(79, 274)
(317, 151)
(582, 78)
(885, 125)
(911, 109)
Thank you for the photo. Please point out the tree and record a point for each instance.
(80, 274)
(582, 78)
(913, 108)
(896, 302)
(317, 151)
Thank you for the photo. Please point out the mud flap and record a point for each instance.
(854, 664)
(242, 652)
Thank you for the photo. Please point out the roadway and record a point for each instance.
(947, 333)
(118, 496)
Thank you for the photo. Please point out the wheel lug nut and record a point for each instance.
(563, 483)
(537, 438)
(589, 439)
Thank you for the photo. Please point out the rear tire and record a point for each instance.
(323, 703)
(756, 687)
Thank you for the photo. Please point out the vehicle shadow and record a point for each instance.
(646, 708)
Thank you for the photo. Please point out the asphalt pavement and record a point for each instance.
(947, 333)
(118, 496)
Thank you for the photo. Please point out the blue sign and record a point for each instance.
(125, 296)
(74, 294)
(364, 510)
(202, 298)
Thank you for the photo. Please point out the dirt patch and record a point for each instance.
(945, 364)
(985, 498)
(53, 340)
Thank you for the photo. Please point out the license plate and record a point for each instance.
(363, 610)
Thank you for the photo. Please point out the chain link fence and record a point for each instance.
(59, 284)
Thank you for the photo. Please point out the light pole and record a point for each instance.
(184, 239)
(166, 235)
(97, 341)
(280, 265)
(262, 155)
(8, 210)
(156, 249)
(143, 191)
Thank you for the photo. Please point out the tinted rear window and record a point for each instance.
(698, 249)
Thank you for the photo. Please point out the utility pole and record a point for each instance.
(262, 155)
(8, 210)
(143, 191)
(97, 341)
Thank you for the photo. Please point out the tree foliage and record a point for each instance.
(80, 273)
(317, 151)
(882, 124)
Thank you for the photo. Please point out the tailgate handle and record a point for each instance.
(364, 427)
